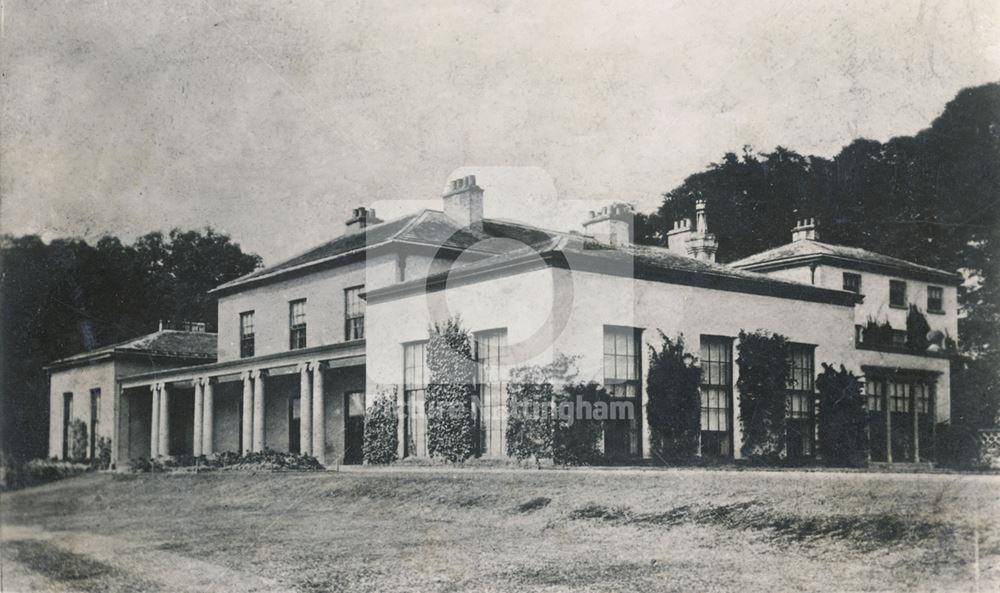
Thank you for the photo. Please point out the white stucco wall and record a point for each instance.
(523, 303)
(875, 288)
(79, 381)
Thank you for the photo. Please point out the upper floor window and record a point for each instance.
(897, 293)
(852, 282)
(246, 335)
(935, 299)
(354, 313)
(297, 324)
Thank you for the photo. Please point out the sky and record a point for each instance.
(270, 121)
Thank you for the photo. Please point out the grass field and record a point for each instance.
(505, 530)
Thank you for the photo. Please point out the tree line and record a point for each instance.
(68, 296)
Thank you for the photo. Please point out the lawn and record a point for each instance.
(426, 529)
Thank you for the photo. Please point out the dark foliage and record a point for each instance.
(78, 441)
(575, 437)
(843, 436)
(917, 329)
(381, 430)
(68, 296)
(673, 408)
(268, 459)
(763, 366)
(450, 424)
(530, 401)
(931, 198)
(975, 405)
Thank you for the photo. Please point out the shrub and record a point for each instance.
(575, 438)
(78, 440)
(450, 424)
(103, 458)
(764, 367)
(674, 405)
(268, 459)
(530, 402)
(843, 435)
(917, 329)
(381, 430)
(18, 474)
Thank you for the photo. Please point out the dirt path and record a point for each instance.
(38, 560)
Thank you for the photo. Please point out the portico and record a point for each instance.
(294, 402)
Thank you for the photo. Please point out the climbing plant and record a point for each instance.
(843, 435)
(450, 424)
(381, 444)
(764, 366)
(673, 407)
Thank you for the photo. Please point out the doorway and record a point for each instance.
(354, 427)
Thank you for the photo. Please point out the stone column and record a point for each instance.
(199, 407)
(208, 417)
(247, 432)
(318, 425)
(305, 410)
(154, 422)
(258, 410)
(164, 446)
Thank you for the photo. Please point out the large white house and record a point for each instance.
(304, 345)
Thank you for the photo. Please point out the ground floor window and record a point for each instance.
(492, 401)
(800, 426)
(415, 374)
(623, 380)
(67, 417)
(716, 396)
(95, 419)
(900, 414)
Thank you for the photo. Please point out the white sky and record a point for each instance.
(271, 120)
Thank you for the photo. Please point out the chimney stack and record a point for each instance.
(362, 217)
(805, 229)
(677, 237)
(463, 202)
(613, 224)
(702, 244)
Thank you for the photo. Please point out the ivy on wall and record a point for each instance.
(381, 444)
(450, 424)
(673, 408)
(843, 435)
(575, 436)
(763, 360)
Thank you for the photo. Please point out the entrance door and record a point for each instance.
(354, 427)
(294, 425)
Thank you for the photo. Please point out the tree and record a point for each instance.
(763, 363)
(450, 425)
(673, 408)
(843, 435)
(68, 296)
